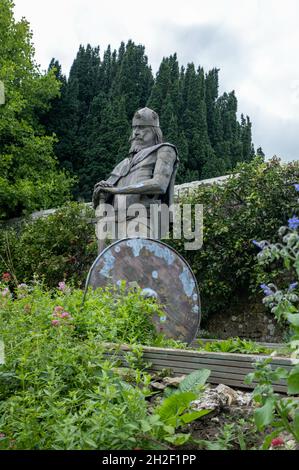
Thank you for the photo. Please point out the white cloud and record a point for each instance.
(253, 43)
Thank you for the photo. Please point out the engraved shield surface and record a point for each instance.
(161, 273)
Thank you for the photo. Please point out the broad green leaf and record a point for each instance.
(174, 405)
(293, 381)
(178, 439)
(145, 426)
(189, 417)
(264, 415)
(196, 378)
(296, 424)
(90, 442)
(279, 373)
(293, 318)
(169, 429)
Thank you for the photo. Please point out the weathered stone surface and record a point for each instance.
(173, 381)
(158, 385)
(146, 177)
(221, 397)
(210, 400)
(230, 394)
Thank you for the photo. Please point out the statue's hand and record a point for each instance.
(103, 184)
(98, 189)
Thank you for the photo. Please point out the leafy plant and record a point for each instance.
(195, 380)
(234, 345)
(258, 198)
(175, 412)
(58, 387)
(282, 413)
(59, 246)
(30, 178)
(238, 435)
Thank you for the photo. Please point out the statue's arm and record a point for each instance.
(158, 184)
(100, 194)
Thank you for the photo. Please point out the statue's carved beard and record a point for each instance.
(136, 145)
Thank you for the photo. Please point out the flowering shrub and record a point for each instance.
(250, 206)
(59, 390)
(60, 246)
(6, 277)
(274, 410)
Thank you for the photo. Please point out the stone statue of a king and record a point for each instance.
(139, 183)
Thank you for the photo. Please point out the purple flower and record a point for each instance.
(293, 223)
(61, 286)
(55, 322)
(267, 290)
(5, 292)
(261, 245)
(296, 186)
(293, 286)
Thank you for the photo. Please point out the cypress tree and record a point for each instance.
(246, 138)
(92, 117)
(133, 80)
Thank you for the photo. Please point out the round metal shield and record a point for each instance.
(160, 272)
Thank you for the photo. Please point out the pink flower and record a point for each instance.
(278, 441)
(6, 277)
(55, 322)
(62, 286)
(65, 315)
(5, 292)
(58, 310)
(2, 435)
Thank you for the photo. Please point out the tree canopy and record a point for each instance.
(55, 130)
(29, 174)
(92, 118)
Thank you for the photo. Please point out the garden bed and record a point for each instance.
(226, 368)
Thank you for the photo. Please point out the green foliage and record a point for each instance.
(174, 411)
(58, 388)
(250, 205)
(234, 345)
(62, 246)
(92, 118)
(119, 316)
(194, 380)
(30, 178)
(57, 247)
(237, 435)
(280, 412)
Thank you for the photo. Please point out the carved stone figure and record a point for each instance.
(145, 177)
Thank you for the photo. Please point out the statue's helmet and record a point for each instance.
(146, 117)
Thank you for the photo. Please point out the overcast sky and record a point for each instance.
(254, 43)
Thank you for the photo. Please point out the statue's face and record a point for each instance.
(142, 137)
